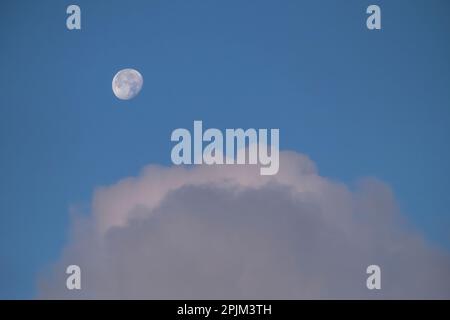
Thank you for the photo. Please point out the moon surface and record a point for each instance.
(127, 83)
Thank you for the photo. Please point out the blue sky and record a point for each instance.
(358, 102)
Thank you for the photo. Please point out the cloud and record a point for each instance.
(228, 232)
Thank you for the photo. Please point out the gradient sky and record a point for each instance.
(358, 102)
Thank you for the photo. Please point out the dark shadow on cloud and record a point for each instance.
(272, 240)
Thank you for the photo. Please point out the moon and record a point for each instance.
(127, 83)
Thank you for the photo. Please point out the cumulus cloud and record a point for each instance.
(228, 232)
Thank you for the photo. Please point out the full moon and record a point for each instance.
(127, 83)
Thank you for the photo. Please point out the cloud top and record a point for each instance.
(217, 232)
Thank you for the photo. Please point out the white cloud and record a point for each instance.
(228, 232)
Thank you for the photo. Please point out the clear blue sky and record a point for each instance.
(358, 102)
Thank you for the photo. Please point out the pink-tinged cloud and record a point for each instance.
(227, 232)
